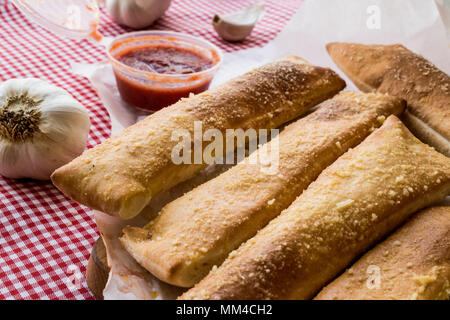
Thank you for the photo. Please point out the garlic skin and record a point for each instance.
(42, 127)
(136, 14)
(238, 25)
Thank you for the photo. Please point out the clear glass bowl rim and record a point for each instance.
(179, 35)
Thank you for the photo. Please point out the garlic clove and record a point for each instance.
(238, 25)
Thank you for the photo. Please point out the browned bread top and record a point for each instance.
(413, 263)
(396, 70)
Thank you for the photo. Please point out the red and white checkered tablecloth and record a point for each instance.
(43, 234)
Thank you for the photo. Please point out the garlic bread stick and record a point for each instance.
(412, 263)
(356, 201)
(121, 175)
(396, 70)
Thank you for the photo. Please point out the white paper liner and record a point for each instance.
(421, 26)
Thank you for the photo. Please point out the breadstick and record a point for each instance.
(413, 263)
(355, 202)
(121, 175)
(198, 230)
(395, 70)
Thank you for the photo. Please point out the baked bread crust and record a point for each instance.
(356, 201)
(121, 175)
(198, 230)
(396, 70)
(414, 263)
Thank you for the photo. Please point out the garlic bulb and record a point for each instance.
(42, 127)
(238, 25)
(136, 14)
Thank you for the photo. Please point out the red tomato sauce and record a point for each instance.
(166, 59)
(163, 60)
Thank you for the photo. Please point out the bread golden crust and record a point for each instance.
(395, 70)
(353, 203)
(413, 263)
(122, 174)
(198, 230)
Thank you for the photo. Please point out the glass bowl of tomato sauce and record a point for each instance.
(154, 69)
